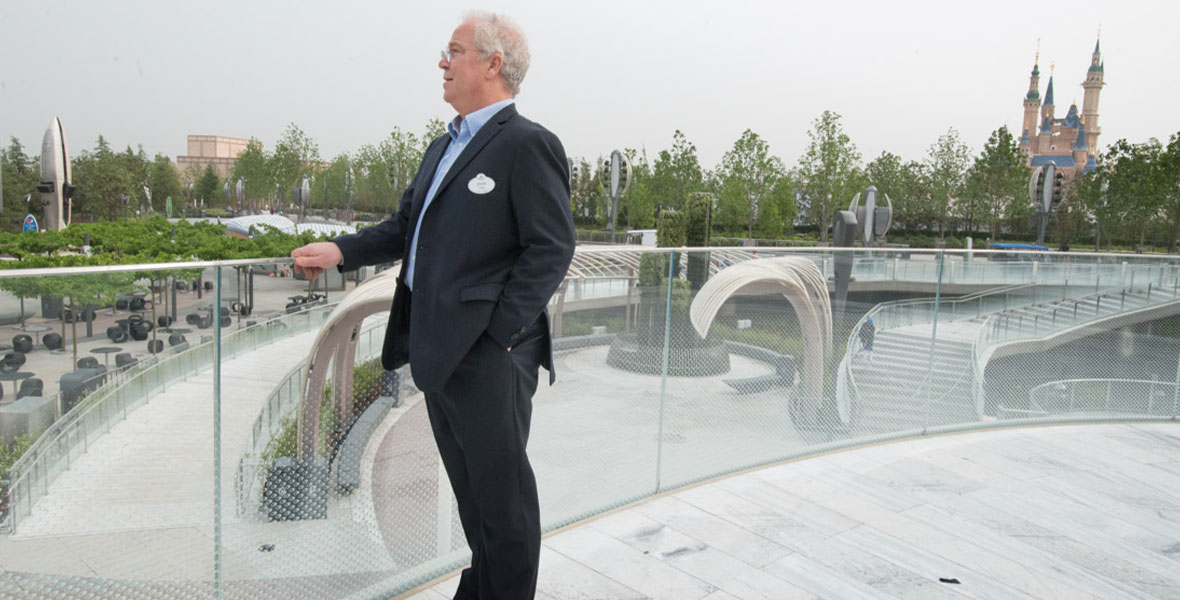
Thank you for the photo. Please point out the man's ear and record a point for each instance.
(495, 65)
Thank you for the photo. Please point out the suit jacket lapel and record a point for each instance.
(486, 133)
(434, 155)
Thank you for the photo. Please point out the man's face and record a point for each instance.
(466, 75)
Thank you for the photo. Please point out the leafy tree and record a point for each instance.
(137, 165)
(1168, 173)
(434, 128)
(997, 182)
(887, 173)
(914, 207)
(102, 179)
(636, 208)
(1135, 184)
(253, 165)
(163, 182)
(748, 177)
(295, 155)
(207, 188)
(676, 174)
(586, 191)
(947, 161)
(20, 177)
(828, 170)
(1090, 196)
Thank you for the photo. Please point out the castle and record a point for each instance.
(1071, 143)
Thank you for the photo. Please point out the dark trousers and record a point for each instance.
(481, 421)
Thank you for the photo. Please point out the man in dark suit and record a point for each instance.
(486, 235)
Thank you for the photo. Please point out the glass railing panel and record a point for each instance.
(1043, 338)
(119, 461)
(594, 436)
(752, 389)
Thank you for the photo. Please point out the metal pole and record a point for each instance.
(217, 439)
(664, 372)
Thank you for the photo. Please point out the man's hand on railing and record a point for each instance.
(312, 259)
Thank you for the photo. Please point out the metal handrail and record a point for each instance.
(1037, 396)
(845, 371)
(984, 338)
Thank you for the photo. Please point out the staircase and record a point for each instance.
(908, 383)
(905, 384)
(1046, 318)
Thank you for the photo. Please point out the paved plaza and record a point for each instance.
(1078, 512)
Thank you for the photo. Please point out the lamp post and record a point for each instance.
(240, 191)
(348, 191)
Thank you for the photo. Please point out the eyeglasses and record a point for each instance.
(448, 54)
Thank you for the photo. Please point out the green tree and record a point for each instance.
(829, 170)
(1135, 184)
(946, 162)
(253, 165)
(102, 180)
(137, 166)
(997, 183)
(748, 176)
(295, 155)
(585, 191)
(1168, 173)
(20, 177)
(163, 182)
(887, 173)
(207, 189)
(676, 174)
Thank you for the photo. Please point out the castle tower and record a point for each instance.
(1045, 136)
(1093, 86)
(1032, 105)
(1080, 150)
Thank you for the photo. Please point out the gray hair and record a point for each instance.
(496, 33)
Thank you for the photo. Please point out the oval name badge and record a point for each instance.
(481, 184)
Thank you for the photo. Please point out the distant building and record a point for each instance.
(216, 150)
(1072, 142)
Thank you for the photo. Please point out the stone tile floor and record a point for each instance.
(1081, 511)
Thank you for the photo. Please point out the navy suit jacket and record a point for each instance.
(485, 263)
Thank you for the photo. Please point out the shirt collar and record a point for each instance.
(462, 130)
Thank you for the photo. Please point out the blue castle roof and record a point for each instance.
(1071, 118)
(1081, 143)
(1090, 165)
(1062, 160)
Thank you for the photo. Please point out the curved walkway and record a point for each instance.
(1076, 512)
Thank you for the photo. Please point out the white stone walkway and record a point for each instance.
(1076, 512)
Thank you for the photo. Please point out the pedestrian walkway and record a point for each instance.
(1079, 512)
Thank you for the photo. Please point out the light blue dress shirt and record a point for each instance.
(461, 131)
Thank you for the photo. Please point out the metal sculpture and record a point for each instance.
(55, 185)
(803, 285)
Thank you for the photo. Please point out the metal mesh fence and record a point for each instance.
(673, 367)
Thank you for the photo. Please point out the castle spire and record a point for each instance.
(1049, 90)
(1096, 58)
(1034, 79)
(1081, 143)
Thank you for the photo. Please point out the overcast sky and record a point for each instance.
(605, 74)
